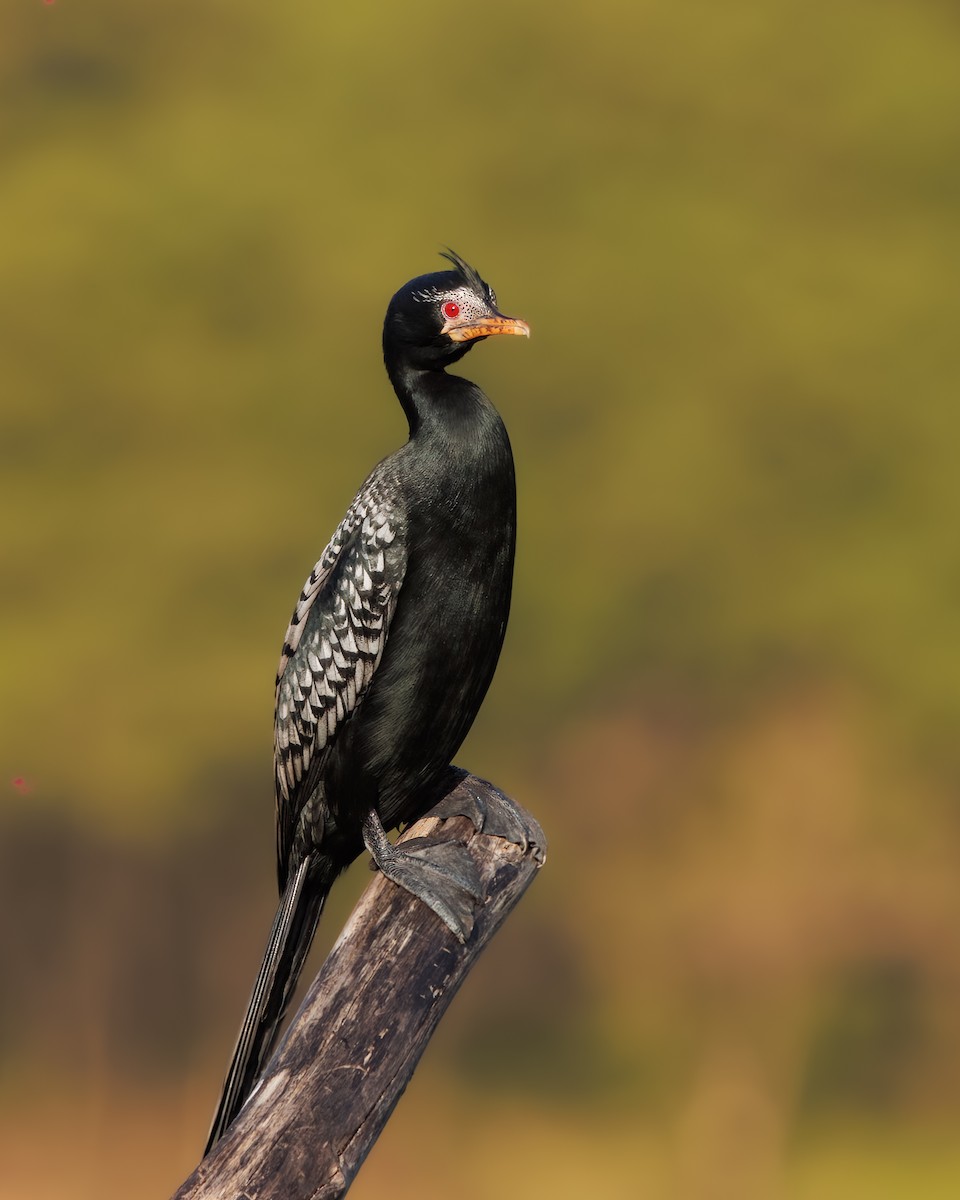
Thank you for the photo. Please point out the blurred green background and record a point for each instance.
(731, 687)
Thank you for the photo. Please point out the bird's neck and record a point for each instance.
(458, 445)
(440, 406)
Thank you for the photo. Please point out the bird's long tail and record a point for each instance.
(290, 938)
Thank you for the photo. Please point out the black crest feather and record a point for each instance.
(470, 275)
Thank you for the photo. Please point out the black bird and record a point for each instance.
(391, 648)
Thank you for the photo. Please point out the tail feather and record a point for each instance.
(287, 947)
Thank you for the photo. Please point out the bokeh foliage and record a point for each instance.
(731, 688)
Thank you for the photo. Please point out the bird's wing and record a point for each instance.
(333, 646)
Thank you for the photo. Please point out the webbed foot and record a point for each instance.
(492, 813)
(441, 874)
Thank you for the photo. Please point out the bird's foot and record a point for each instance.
(492, 813)
(441, 874)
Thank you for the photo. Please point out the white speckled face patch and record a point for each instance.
(469, 306)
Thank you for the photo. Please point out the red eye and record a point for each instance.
(451, 309)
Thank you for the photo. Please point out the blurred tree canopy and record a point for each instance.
(731, 686)
(733, 235)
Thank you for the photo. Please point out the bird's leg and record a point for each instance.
(492, 813)
(441, 874)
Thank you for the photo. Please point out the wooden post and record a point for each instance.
(350, 1051)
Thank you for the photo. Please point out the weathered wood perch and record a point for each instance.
(351, 1049)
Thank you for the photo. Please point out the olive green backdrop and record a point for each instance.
(731, 687)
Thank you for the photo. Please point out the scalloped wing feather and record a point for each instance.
(331, 651)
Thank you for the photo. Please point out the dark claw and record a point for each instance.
(492, 813)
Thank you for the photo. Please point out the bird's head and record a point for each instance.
(435, 319)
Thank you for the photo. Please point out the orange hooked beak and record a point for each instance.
(459, 329)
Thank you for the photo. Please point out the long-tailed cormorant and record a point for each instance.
(391, 648)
